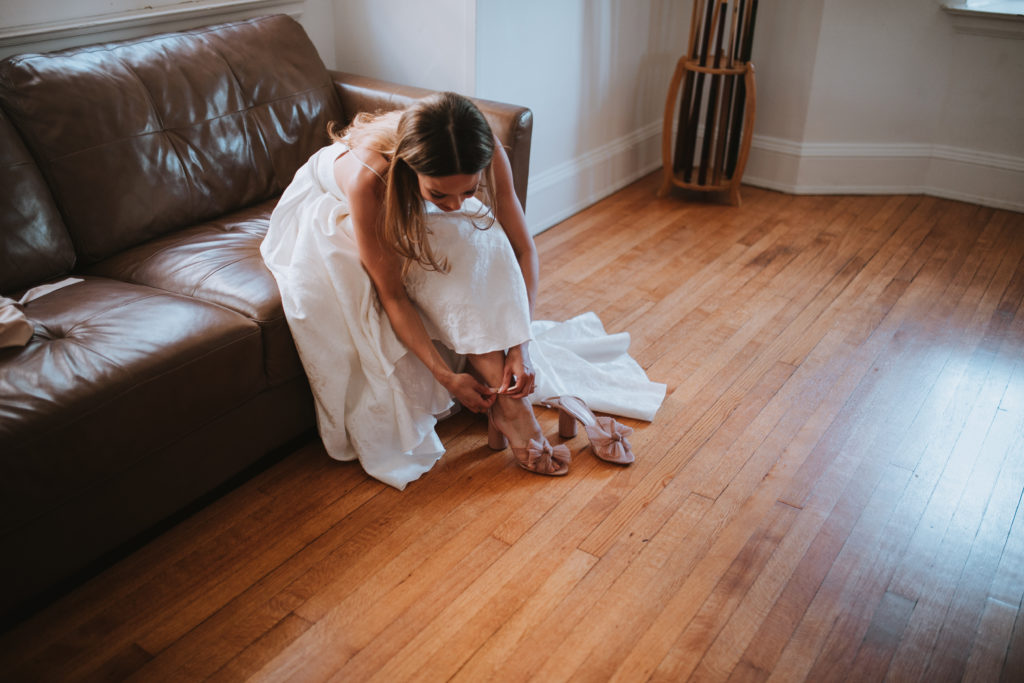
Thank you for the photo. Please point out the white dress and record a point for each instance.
(375, 400)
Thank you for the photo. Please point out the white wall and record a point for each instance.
(427, 44)
(895, 99)
(595, 73)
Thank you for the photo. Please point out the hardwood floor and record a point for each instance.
(831, 490)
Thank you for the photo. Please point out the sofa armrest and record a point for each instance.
(512, 124)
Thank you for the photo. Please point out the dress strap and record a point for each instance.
(365, 165)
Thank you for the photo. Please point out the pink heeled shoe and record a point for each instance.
(538, 456)
(608, 437)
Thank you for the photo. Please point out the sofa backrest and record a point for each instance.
(137, 138)
(34, 245)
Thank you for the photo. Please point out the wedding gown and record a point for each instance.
(375, 400)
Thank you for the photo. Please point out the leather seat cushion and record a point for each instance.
(114, 372)
(218, 262)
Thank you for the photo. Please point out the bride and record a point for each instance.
(403, 291)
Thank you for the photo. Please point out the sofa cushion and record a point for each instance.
(34, 245)
(114, 372)
(141, 137)
(219, 262)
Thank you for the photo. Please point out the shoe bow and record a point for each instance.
(609, 440)
(538, 452)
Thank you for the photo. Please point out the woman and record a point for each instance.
(403, 290)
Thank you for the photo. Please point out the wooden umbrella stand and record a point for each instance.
(714, 98)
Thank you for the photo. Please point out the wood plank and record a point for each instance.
(766, 646)
(680, 608)
(1014, 662)
(848, 589)
(721, 604)
(353, 528)
(882, 637)
(250, 660)
(500, 647)
(947, 530)
(455, 632)
(593, 610)
(995, 627)
(961, 621)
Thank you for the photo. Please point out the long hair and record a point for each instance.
(441, 135)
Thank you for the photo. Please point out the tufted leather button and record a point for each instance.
(112, 370)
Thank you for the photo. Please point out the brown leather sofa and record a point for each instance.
(149, 168)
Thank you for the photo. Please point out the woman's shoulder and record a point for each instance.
(360, 173)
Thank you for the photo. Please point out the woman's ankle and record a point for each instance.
(516, 418)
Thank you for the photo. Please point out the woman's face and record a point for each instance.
(448, 192)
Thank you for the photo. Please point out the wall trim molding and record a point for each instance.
(887, 150)
(986, 178)
(29, 34)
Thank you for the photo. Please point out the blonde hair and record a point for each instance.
(376, 132)
(441, 135)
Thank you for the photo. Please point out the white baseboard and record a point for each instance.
(985, 178)
(570, 187)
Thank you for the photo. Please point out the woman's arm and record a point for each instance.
(510, 214)
(385, 270)
(519, 377)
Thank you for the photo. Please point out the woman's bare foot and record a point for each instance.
(515, 419)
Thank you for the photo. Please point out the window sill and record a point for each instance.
(995, 19)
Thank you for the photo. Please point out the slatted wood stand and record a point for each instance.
(717, 179)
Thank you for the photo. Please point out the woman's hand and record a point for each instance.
(518, 378)
(468, 391)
